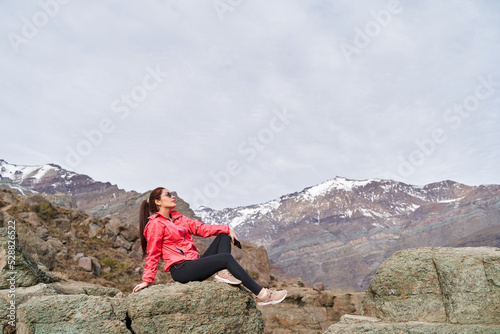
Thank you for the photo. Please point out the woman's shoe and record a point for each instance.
(271, 296)
(226, 277)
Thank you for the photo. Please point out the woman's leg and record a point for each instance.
(206, 266)
(220, 245)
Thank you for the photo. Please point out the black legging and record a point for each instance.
(217, 257)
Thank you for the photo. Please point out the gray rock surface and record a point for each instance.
(455, 285)
(431, 290)
(347, 325)
(196, 307)
(76, 307)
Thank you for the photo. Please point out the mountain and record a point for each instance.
(90, 195)
(340, 231)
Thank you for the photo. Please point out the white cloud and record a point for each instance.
(227, 77)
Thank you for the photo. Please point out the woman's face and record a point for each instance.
(167, 200)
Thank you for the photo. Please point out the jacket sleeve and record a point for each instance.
(205, 230)
(154, 238)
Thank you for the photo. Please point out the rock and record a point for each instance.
(115, 225)
(195, 307)
(42, 232)
(85, 262)
(96, 266)
(72, 314)
(63, 200)
(93, 230)
(27, 271)
(128, 233)
(56, 244)
(5, 218)
(76, 287)
(131, 233)
(36, 246)
(121, 242)
(318, 286)
(306, 310)
(455, 285)
(349, 303)
(77, 307)
(31, 218)
(431, 290)
(414, 327)
(77, 257)
(63, 223)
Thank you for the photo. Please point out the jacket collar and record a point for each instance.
(173, 213)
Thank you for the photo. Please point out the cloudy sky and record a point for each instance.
(236, 102)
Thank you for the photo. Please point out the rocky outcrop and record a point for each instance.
(76, 307)
(17, 266)
(432, 290)
(306, 310)
(196, 307)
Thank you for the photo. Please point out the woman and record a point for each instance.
(167, 234)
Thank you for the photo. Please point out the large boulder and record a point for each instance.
(432, 290)
(78, 307)
(196, 307)
(455, 285)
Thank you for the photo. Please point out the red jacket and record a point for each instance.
(172, 241)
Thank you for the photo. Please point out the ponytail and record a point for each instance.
(148, 207)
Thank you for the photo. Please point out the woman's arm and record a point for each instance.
(204, 230)
(154, 236)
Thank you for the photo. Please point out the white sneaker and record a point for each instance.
(272, 297)
(226, 277)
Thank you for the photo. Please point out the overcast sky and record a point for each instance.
(237, 102)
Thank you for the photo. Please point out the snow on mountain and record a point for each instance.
(372, 198)
(34, 174)
(338, 183)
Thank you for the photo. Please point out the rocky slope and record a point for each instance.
(340, 231)
(99, 250)
(432, 290)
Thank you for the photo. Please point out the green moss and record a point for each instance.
(108, 262)
(46, 211)
(253, 274)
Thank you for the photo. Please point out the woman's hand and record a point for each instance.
(232, 235)
(140, 286)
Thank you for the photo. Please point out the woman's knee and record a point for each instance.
(223, 236)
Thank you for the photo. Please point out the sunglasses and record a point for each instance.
(168, 193)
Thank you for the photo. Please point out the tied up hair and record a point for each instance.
(148, 207)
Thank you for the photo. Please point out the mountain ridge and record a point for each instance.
(323, 231)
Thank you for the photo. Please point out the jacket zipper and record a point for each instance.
(180, 250)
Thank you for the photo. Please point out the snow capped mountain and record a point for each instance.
(33, 174)
(339, 231)
(92, 196)
(369, 200)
